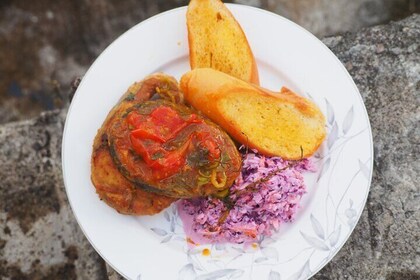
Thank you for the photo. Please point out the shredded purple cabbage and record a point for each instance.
(254, 211)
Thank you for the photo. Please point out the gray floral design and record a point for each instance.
(328, 228)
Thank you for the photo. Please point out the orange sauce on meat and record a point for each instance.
(151, 131)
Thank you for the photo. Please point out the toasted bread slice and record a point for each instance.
(278, 124)
(216, 40)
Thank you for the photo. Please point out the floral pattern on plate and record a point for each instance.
(232, 261)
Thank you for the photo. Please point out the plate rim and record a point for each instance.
(369, 129)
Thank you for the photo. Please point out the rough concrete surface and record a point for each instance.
(384, 62)
(39, 238)
(45, 44)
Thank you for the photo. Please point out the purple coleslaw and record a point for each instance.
(266, 193)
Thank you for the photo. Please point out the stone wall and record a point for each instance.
(45, 44)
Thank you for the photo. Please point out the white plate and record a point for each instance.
(286, 55)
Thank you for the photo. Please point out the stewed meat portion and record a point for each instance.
(111, 186)
(153, 149)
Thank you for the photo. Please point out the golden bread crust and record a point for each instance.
(277, 124)
(216, 40)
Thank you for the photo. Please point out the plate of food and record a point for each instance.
(217, 142)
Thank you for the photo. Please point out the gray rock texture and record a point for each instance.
(384, 62)
(39, 238)
(45, 44)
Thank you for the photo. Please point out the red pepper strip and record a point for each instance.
(214, 151)
(171, 162)
(144, 149)
(163, 124)
(166, 117)
(208, 143)
(143, 133)
(166, 163)
(135, 119)
(170, 122)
